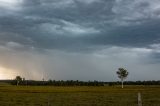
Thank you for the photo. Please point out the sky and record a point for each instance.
(79, 39)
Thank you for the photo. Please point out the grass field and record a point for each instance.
(78, 96)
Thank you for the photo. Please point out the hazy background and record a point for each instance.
(79, 39)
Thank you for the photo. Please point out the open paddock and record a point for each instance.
(78, 95)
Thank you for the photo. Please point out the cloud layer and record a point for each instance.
(79, 39)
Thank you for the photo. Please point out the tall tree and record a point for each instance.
(18, 79)
(122, 74)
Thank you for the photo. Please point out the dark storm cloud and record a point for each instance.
(35, 14)
(109, 29)
(70, 22)
(134, 36)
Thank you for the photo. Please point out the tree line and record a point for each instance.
(122, 75)
(22, 81)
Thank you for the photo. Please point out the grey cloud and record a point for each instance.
(136, 10)
(94, 34)
(38, 22)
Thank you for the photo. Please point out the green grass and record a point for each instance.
(78, 96)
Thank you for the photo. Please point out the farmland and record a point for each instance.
(78, 95)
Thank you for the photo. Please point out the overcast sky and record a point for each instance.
(79, 39)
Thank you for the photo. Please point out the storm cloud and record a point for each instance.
(79, 39)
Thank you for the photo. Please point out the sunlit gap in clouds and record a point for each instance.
(10, 4)
(9, 1)
(6, 73)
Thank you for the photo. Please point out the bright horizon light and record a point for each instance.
(6, 73)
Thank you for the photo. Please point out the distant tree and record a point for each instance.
(18, 79)
(122, 74)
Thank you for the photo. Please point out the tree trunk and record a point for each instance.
(17, 83)
(122, 83)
